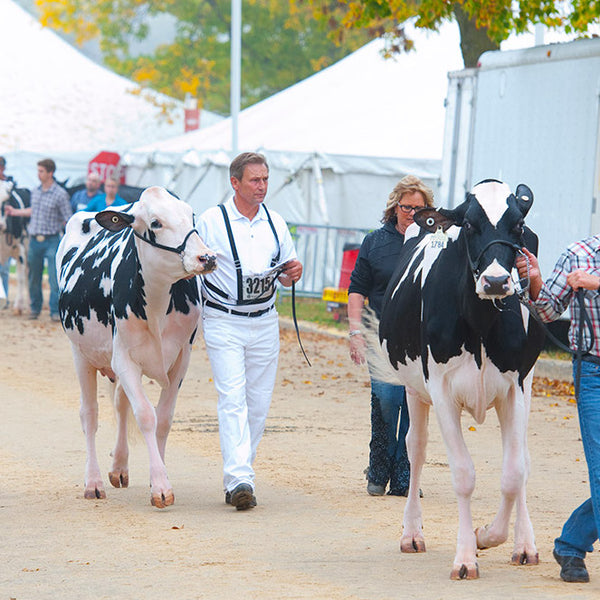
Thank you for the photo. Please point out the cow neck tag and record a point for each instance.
(439, 239)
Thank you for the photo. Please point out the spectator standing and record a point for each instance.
(108, 199)
(82, 198)
(241, 327)
(49, 211)
(375, 265)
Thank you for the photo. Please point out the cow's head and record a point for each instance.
(167, 224)
(492, 221)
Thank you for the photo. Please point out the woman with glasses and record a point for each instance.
(375, 265)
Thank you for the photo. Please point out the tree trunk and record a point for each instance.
(473, 42)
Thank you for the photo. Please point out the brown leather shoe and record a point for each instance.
(242, 497)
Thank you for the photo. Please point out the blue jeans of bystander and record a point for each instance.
(581, 529)
(4, 273)
(388, 459)
(38, 252)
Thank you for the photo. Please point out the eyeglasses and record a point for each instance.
(406, 208)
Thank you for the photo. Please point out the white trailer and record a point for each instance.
(530, 116)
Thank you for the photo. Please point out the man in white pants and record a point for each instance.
(241, 328)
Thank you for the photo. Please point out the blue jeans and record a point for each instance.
(581, 529)
(38, 252)
(4, 273)
(388, 459)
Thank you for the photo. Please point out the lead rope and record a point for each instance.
(296, 322)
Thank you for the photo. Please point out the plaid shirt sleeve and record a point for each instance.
(555, 295)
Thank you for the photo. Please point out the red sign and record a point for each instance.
(192, 119)
(106, 164)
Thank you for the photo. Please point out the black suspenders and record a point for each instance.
(238, 264)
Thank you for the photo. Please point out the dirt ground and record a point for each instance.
(315, 533)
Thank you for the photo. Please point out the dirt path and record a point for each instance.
(315, 533)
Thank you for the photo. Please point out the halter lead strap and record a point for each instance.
(178, 250)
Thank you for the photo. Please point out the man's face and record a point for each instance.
(111, 188)
(92, 183)
(252, 188)
(43, 175)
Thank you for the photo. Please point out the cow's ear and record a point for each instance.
(113, 220)
(431, 219)
(524, 197)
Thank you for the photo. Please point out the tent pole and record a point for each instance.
(236, 68)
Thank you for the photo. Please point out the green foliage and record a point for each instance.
(281, 44)
(312, 310)
(483, 23)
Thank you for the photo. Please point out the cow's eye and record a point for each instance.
(156, 224)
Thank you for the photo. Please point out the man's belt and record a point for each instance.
(256, 313)
(42, 238)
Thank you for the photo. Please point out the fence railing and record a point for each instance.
(320, 249)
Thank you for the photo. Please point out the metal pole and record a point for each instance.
(236, 68)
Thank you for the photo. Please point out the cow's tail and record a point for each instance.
(380, 367)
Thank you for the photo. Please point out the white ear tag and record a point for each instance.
(439, 239)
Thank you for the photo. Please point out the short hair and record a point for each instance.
(48, 164)
(94, 175)
(2, 161)
(408, 184)
(113, 179)
(239, 163)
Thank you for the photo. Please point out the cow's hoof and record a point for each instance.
(468, 571)
(412, 544)
(525, 558)
(96, 493)
(162, 500)
(119, 479)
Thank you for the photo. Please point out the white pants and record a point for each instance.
(243, 353)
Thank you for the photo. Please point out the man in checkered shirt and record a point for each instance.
(577, 268)
(49, 211)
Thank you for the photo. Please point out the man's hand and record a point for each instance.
(532, 271)
(581, 279)
(292, 271)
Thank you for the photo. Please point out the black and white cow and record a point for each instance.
(129, 304)
(14, 240)
(454, 330)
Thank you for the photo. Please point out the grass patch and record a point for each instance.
(313, 310)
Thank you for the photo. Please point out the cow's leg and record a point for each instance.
(463, 480)
(130, 377)
(168, 398)
(88, 413)
(119, 473)
(416, 443)
(512, 415)
(22, 297)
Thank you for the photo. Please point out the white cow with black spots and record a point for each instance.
(458, 339)
(130, 306)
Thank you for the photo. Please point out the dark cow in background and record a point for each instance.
(14, 240)
(455, 332)
(130, 306)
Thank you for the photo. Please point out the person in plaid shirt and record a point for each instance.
(577, 268)
(49, 211)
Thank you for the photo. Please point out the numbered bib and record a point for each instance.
(258, 287)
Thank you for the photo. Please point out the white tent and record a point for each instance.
(338, 141)
(363, 105)
(57, 102)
